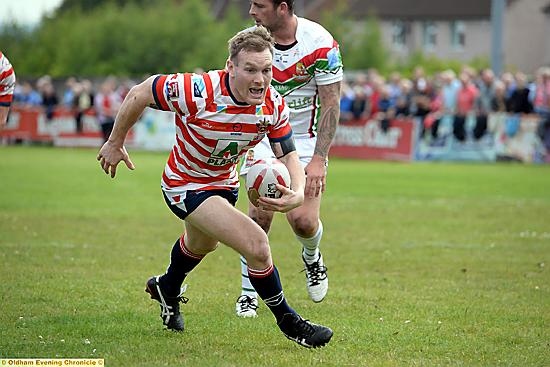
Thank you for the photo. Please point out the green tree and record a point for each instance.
(123, 38)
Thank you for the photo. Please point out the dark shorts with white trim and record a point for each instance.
(191, 200)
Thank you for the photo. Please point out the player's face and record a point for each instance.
(250, 76)
(264, 13)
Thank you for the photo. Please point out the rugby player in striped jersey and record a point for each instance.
(219, 116)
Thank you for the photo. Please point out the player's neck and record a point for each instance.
(286, 34)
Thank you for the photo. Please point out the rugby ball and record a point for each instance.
(262, 178)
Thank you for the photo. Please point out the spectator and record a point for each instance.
(519, 102)
(421, 96)
(27, 96)
(360, 107)
(541, 100)
(83, 102)
(346, 102)
(386, 108)
(465, 105)
(433, 118)
(49, 97)
(486, 90)
(509, 84)
(106, 103)
(498, 101)
(69, 92)
(394, 86)
(541, 105)
(404, 100)
(449, 91)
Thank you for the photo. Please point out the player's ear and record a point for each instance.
(230, 67)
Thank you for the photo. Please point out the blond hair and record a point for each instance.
(256, 39)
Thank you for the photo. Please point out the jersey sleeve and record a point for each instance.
(171, 93)
(328, 65)
(281, 129)
(7, 81)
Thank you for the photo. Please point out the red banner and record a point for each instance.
(29, 124)
(367, 140)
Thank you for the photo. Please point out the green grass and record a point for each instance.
(430, 264)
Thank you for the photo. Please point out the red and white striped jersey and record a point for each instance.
(7, 81)
(213, 130)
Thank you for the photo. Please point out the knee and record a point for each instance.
(259, 253)
(305, 226)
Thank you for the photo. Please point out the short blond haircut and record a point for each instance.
(256, 39)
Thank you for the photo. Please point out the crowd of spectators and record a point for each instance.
(368, 95)
(78, 96)
(468, 95)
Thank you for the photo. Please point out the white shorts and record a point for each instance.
(304, 148)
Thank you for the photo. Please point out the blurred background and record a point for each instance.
(407, 69)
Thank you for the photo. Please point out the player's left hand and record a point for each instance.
(288, 201)
(110, 155)
(316, 174)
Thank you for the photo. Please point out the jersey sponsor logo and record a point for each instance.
(299, 103)
(173, 90)
(198, 87)
(226, 152)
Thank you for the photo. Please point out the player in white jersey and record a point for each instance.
(307, 72)
(7, 87)
(219, 115)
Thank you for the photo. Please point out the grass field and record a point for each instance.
(430, 264)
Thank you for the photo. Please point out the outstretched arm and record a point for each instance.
(113, 151)
(326, 128)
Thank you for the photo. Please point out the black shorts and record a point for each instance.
(193, 199)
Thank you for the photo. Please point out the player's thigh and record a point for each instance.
(216, 219)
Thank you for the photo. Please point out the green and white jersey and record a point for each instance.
(313, 60)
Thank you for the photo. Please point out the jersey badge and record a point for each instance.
(263, 125)
(334, 59)
(173, 90)
(301, 72)
(198, 87)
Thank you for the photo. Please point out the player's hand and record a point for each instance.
(316, 173)
(290, 200)
(110, 155)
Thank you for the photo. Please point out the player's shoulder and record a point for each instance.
(314, 33)
(4, 62)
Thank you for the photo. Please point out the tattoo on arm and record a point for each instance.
(326, 126)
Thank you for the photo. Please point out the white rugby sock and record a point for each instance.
(246, 286)
(311, 245)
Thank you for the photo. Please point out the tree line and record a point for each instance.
(135, 38)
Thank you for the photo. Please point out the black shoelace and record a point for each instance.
(303, 326)
(316, 273)
(246, 303)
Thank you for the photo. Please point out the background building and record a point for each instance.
(448, 29)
